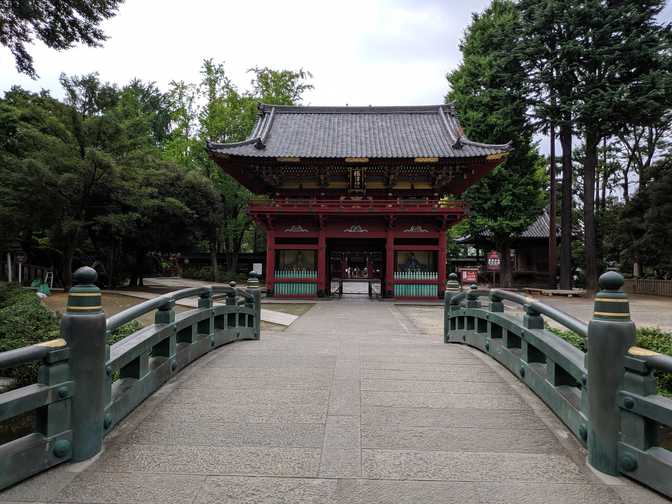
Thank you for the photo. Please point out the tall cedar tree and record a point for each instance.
(624, 79)
(607, 64)
(488, 90)
(546, 42)
(58, 24)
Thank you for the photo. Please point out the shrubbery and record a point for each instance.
(650, 338)
(205, 273)
(25, 321)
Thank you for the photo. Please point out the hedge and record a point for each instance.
(25, 321)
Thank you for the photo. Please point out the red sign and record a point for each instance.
(469, 276)
(494, 261)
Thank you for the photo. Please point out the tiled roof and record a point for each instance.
(371, 132)
(538, 229)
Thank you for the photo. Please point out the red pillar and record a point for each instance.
(321, 264)
(270, 260)
(442, 262)
(389, 263)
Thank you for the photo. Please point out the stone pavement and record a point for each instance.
(352, 404)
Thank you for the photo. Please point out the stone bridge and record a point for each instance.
(352, 404)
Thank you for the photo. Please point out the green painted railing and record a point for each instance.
(605, 396)
(295, 283)
(416, 284)
(86, 387)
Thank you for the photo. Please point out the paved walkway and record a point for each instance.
(351, 404)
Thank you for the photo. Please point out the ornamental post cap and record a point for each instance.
(232, 283)
(611, 281)
(453, 276)
(611, 303)
(473, 286)
(84, 296)
(85, 276)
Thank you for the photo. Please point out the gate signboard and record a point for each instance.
(494, 261)
(468, 275)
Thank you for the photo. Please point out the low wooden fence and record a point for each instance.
(652, 286)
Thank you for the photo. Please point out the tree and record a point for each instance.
(545, 46)
(216, 110)
(615, 56)
(52, 174)
(58, 24)
(488, 90)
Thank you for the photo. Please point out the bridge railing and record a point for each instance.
(606, 396)
(48, 401)
(86, 386)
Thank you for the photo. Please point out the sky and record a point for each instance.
(360, 52)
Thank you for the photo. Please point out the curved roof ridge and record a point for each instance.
(223, 145)
(507, 145)
(347, 109)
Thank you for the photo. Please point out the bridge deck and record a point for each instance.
(353, 403)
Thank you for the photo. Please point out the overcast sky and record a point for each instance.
(360, 52)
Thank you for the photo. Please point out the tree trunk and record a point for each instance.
(505, 273)
(68, 256)
(590, 236)
(213, 261)
(566, 215)
(626, 185)
(138, 269)
(552, 235)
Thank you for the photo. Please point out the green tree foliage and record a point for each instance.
(89, 176)
(488, 93)
(216, 110)
(598, 68)
(645, 222)
(58, 24)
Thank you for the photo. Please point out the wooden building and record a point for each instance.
(362, 193)
(529, 254)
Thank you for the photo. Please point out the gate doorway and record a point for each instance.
(356, 267)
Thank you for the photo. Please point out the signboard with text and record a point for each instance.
(494, 261)
(468, 275)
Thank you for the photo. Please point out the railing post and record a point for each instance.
(610, 334)
(231, 296)
(254, 288)
(452, 288)
(496, 303)
(83, 327)
(472, 297)
(532, 319)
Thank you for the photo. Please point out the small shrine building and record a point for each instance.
(357, 194)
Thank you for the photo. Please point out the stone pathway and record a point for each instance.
(352, 404)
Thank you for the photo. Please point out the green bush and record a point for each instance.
(125, 330)
(205, 273)
(650, 338)
(24, 321)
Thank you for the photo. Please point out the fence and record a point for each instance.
(85, 387)
(652, 286)
(606, 396)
